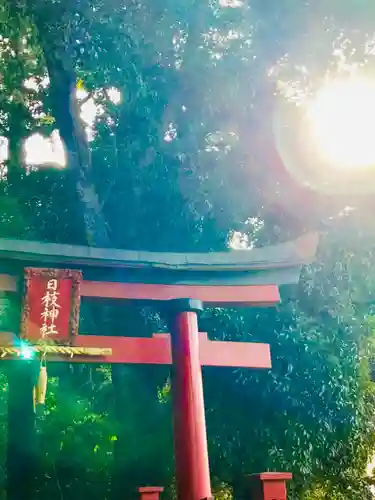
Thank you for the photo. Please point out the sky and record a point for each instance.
(41, 150)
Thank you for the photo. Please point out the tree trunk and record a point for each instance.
(66, 111)
(22, 438)
(22, 448)
(65, 107)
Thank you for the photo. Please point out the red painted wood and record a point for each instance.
(274, 476)
(150, 492)
(48, 304)
(262, 295)
(7, 338)
(157, 350)
(191, 455)
(154, 350)
(234, 354)
(269, 486)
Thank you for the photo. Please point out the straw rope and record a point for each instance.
(56, 349)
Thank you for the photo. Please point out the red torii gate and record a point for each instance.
(179, 282)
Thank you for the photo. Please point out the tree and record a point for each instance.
(183, 163)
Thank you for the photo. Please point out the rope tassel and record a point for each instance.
(40, 389)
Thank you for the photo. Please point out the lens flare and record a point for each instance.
(27, 352)
(341, 117)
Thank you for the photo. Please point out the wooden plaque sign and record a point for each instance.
(50, 305)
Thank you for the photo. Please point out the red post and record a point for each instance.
(269, 485)
(190, 439)
(150, 492)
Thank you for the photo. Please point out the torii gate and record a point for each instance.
(56, 276)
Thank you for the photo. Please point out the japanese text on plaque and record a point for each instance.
(51, 309)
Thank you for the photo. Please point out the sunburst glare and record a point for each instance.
(341, 117)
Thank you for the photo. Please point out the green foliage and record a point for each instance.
(73, 422)
(3, 426)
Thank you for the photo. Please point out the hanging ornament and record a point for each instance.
(40, 388)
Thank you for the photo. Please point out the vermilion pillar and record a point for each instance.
(150, 492)
(190, 439)
(269, 485)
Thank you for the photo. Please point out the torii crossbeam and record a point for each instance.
(182, 285)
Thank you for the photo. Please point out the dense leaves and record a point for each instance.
(165, 112)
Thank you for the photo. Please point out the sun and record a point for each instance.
(341, 121)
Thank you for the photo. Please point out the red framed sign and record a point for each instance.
(50, 305)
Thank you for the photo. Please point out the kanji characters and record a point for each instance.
(51, 308)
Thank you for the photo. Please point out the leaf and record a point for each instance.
(47, 119)
(80, 84)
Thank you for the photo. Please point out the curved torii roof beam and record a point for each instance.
(278, 265)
